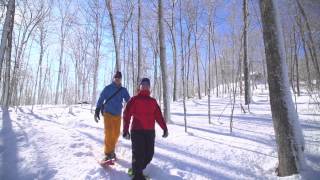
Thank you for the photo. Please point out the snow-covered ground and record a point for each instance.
(56, 142)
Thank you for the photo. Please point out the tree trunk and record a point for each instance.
(6, 47)
(174, 53)
(188, 64)
(134, 85)
(312, 48)
(6, 32)
(209, 70)
(215, 63)
(245, 57)
(41, 40)
(124, 60)
(183, 71)
(163, 63)
(155, 72)
(298, 19)
(193, 77)
(60, 61)
(291, 64)
(197, 60)
(287, 129)
(114, 35)
(139, 44)
(97, 45)
(296, 60)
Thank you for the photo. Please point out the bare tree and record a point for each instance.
(132, 63)
(42, 38)
(245, 56)
(139, 43)
(295, 44)
(306, 57)
(96, 16)
(116, 39)
(153, 37)
(197, 57)
(114, 34)
(182, 69)
(5, 49)
(289, 137)
(311, 45)
(210, 32)
(65, 20)
(31, 17)
(43, 47)
(163, 64)
(172, 28)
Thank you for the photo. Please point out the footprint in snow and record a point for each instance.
(81, 154)
(76, 145)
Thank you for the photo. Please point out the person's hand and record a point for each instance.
(165, 133)
(126, 135)
(97, 115)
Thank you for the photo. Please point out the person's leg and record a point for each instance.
(138, 153)
(115, 130)
(107, 133)
(149, 148)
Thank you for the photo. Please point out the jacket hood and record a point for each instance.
(144, 93)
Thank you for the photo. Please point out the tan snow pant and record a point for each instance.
(112, 125)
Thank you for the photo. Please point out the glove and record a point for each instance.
(97, 115)
(126, 135)
(165, 133)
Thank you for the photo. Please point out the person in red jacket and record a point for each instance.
(145, 112)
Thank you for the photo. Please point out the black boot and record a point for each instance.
(138, 176)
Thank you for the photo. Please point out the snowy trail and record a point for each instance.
(56, 143)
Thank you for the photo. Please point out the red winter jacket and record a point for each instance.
(145, 111)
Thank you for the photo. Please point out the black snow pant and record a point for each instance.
(142, 151)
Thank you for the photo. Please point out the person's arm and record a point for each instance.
(103, 96)
(159, 118)
(127, 113)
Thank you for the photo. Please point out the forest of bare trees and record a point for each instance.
(64, 52)
(61, 48)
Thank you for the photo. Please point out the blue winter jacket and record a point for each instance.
(114, 105)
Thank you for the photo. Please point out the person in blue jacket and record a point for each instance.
(110, 103)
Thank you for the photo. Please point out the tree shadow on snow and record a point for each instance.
(235, 135)
(312, 173)
(9, 166)
(176, 168)
(113, 174)
(41, 169)
(198, 168)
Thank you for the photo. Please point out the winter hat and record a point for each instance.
(145, 81)
(118, 75)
